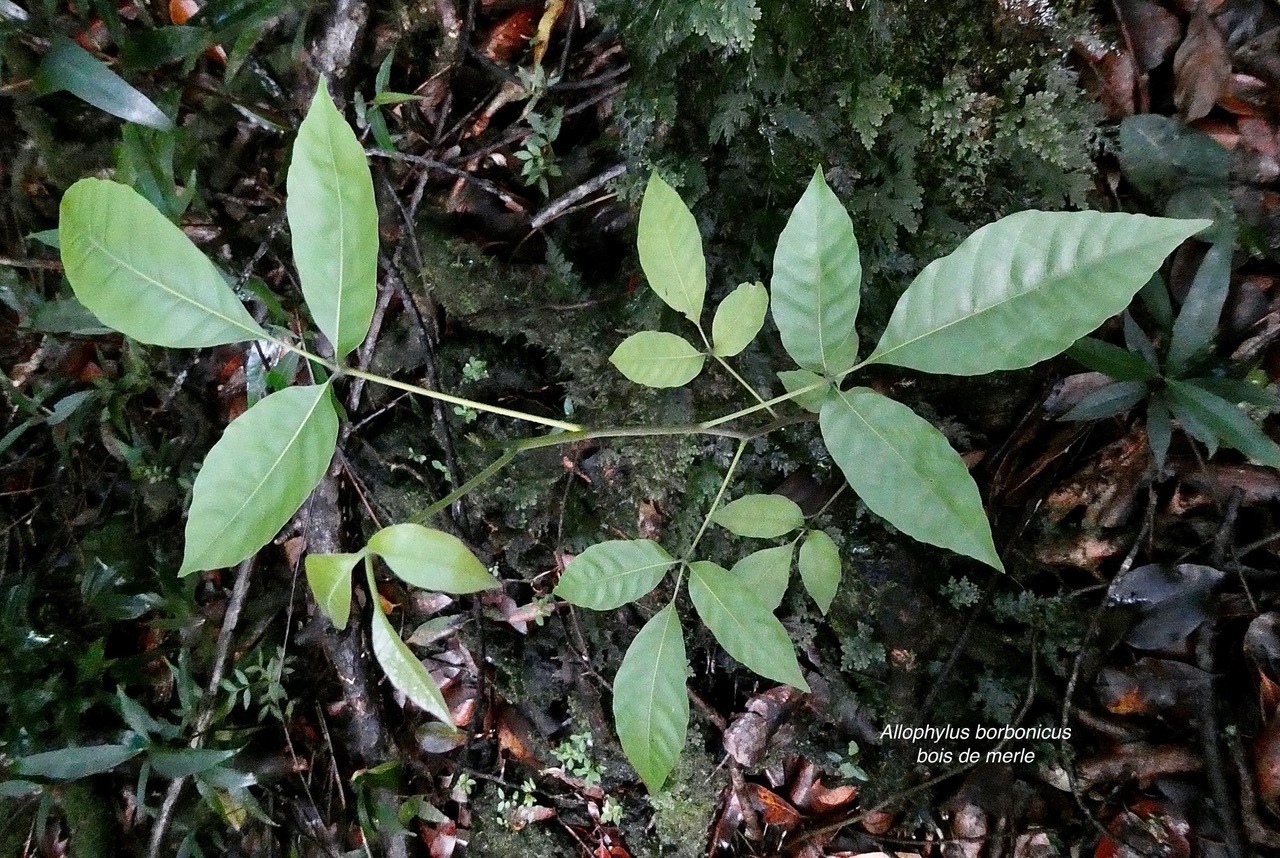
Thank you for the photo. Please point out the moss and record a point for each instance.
(683, 811)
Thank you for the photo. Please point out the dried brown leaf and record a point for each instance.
(1201, 68)
(1154, 31)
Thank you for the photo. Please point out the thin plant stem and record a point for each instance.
(724, 485)
(754, 393)
(467, 487)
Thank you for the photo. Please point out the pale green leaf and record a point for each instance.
(904, 470)
(743, 625)
(760, 516)
(611, 574)
(738, 319)
(817, 275)
(184, 762)
(404, 670)
(431, 559)
(258, 474)
(820, 568)
(799, 379)
(1226, 422)
(657, 359)
(1025, 288)
(141, 275)
(650, 704)
(333, 221)
(766, 573)
(329, 576)
(670, 248)
(67, 66)
(69, 764)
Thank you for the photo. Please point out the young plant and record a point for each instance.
(1016, 292)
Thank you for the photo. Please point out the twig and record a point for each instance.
(41, 264)
(434, 164)
(1228, 822)
(556, 208)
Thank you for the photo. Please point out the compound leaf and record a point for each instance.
(1223, 420)
(760, 516)
(431, 559)
(766, 573)
(610, 574)
(404, 670)
(650, 704)
(816, 279)
(657, 359)
(69, 764)
(738, 319)
(820, 568)
(905, 472)
(670, 248)
(329, 576)
(141, 275)
(743, 625)
(1025, 288)
(258, 474)
(333, 221)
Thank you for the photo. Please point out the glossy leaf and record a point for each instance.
(257, 476)
(139, 274)
(657, 359)
(329, 576)
(1108, 401)
(610, 574)
(1120, 364)
(69, 764)
(904, 470)
(1197, 324)
(817, 275)
(185, 762)
(670, 248)
(68, 67)
(404, 670)
(333, 221)
(743, 625)
(1159, 429)
(766, 573)
(799, 379)
(738, 319)
(1159, 154)
(1228, 423)
(431, 559)
(1024, 289)
(1237, 390)
(1138, 343)
(760, 516)
(650, 704)
(820, 568)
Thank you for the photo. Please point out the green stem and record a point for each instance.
(471, 484)
(830, 500)
(754, 393)
(724, 485)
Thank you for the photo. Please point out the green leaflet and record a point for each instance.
(670, 248)
(798, 379)
(69, 764)
(657, 359)
(743, 625)
(329, 577)
(431, 559)
(69, 67)
(738, 319)
(816, 279)
(404, 670)
(140, 274)
(1025, 288)
(650, 704)
(258, 474)
(185, 762)
(610, 574)
(766, 573)
(1221, 419)
(820, 568)
(760, 516)
(904, 470)
(333, 221)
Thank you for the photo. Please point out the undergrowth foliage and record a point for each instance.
(1014, 293)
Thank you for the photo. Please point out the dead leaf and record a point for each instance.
(1154, 31)
(1139, 761)
(773, 808)
(1200, 68)
(1171, 602)
(1110, 76)
(510, 36)
(1153, 686)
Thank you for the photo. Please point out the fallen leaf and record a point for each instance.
(1154, 31)
(773, 808)
(509, 36)
(1171, 602)
(1200, 68)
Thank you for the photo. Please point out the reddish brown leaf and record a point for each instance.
(1140, 761)
(877, 822)
(1266, 763)
(773, 808)
(1153, 686)
(1245, 95)
(509, 36)
(1154, 31)
(1200, 69)
(1110, 76)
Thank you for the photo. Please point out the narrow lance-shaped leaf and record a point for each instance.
(657, 359)
(404, 670)
(1120, 364)
(820, 568)
(1108, 401)
(333, 221)
(257, 476)
(817, 275)
(329, 576)
(1197, 322)
(738, 319)
(766, 573)
(69, 764)
(670, 248)
(67, 66)
(141, 275)
(760, 516)
(904, 470)
(431, 559)
(185, 762)
(650, 704)
(1025, 288)
(1223, 420)
(610, 574)
(743, 625)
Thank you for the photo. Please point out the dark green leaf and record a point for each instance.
(69, 67)
(1197, 324)
(67, 316)
(1159, 430)
(650, 704)
(185, 762)
(1139, 344)
(610, 574)
(431, 559)
(1237, 390)
(759, 516)
(1108, 401)
(1111, 360)
(1200, 408)
(1159, 154)
(1155, 297)
(69, 764)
